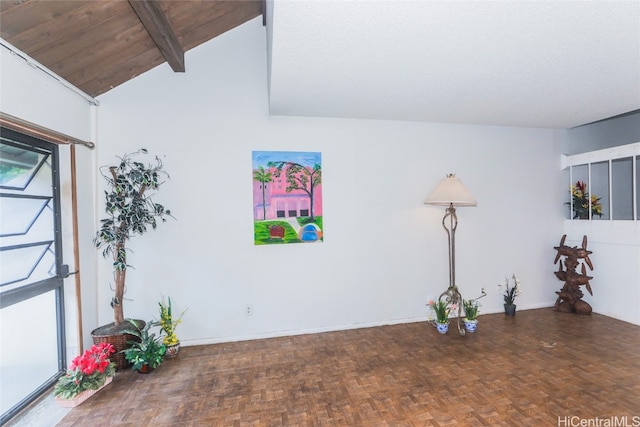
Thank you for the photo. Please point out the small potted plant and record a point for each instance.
(146, 352)
(470, 314)
(86, 375)
(442, 310)
(168, 325)
(510, 294)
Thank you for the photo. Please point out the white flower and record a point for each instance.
(517, 285)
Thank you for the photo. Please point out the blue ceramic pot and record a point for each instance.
(471, 325)
(443, 328)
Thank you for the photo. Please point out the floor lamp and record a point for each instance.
(451, 193)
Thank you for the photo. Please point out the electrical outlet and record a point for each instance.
(248, 310)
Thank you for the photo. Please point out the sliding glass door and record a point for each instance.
(32, 337)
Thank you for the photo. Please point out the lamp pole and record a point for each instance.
(452, 294)
(451, 235)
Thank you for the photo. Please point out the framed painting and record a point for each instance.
(287, 197)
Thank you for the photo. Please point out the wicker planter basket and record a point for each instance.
(117, 340)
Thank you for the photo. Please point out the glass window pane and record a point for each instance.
(25, 212)
(26, 265)
(579, 174)
(17, 165)
(599, 191)
(622, 188)
(637, 187)
(29, 352)
(566, 178)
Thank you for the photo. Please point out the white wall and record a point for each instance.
(616, 266)
(384, 252)
(34, 96)
(617, 131)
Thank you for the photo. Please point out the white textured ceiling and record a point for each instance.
(547, 64)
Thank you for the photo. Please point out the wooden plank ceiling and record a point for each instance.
(98, 45)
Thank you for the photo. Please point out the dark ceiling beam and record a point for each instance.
(159, 28)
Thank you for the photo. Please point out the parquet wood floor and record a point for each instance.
(539, 368)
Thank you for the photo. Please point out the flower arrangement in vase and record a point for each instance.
(87, 374)
(168, 326)
(580, 202)
(442, 310)
(510, 294)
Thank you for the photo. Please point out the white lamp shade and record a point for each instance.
(451, 191)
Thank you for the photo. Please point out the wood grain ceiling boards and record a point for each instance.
(98, 45)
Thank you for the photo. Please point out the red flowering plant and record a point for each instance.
(87, 372)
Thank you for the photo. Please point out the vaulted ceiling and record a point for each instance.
(531, 63)
(98, 45)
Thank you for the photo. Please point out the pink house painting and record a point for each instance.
(287, 197)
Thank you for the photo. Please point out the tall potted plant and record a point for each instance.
(130, 211)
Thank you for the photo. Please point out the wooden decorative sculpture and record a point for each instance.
(570, 296)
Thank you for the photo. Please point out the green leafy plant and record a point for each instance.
(442, 310)
(147, 349)
(86, 372)
(130, 210)
(168, 324)
(470, 309)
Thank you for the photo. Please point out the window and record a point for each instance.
(611, 179)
